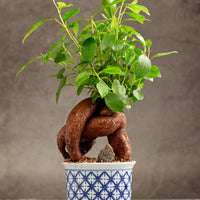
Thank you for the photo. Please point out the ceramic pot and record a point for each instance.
(99, 181)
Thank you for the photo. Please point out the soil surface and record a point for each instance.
(91, 160)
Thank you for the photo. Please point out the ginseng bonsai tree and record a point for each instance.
(108, 58)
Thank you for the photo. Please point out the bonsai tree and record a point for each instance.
(108, 58)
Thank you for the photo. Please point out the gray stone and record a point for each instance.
(107, 154)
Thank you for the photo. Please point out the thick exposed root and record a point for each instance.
(88, 121)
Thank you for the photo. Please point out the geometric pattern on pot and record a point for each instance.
(98, 184)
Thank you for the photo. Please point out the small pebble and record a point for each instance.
(106, 155)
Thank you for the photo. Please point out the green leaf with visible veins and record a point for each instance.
(102, 89)
(118, 89)
(154, 73)
(128, 29)
(108, 41)
(142, 66)
(118, 45)
(88, 50)
(82, 77)
(129, 56)
(114, 102)
(70, 14)
(34, 28)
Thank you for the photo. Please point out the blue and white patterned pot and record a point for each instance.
(99, 181)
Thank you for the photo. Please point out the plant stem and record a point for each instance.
(119, 19)
(100, 78)
(70, 55)
(65, 27)
(122, 14)
(92, 25)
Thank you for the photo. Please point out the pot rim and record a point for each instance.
(98, 165)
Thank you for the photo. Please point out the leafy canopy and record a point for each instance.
(104, 57)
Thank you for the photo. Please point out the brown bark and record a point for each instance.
(88, 121)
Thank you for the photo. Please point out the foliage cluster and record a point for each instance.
(104, 56)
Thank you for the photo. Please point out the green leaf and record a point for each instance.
(118, 89)
(148, 43)
(164, 54)
(138, 51)
(92, 81)
(70, 14)
(88, 50)
(130, 44)
(113, 70)
(82, 77)
(62, 5)
(118, 45)
(108, 41)
(60, 73)
(60, 58)
(75, 29)
(84, 36)
(122, 36)
(63, 29)
(109, 8)
(138, 95)
(134, 99)
(129, 56)
(140, 37)
(137, 17)
(114, 23)
(133, 8)
(142, 8)
(100, 26)
(34, 28)
(114, 2)
(95, 96)
(135, 2)
(25, 66)
(128, 29)
(45, 58)
(61, 85)
(53, 49)
(114, 102)
(75, 22)
(154, 73)
(79, 90)
(102, 89)
(142, 66)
